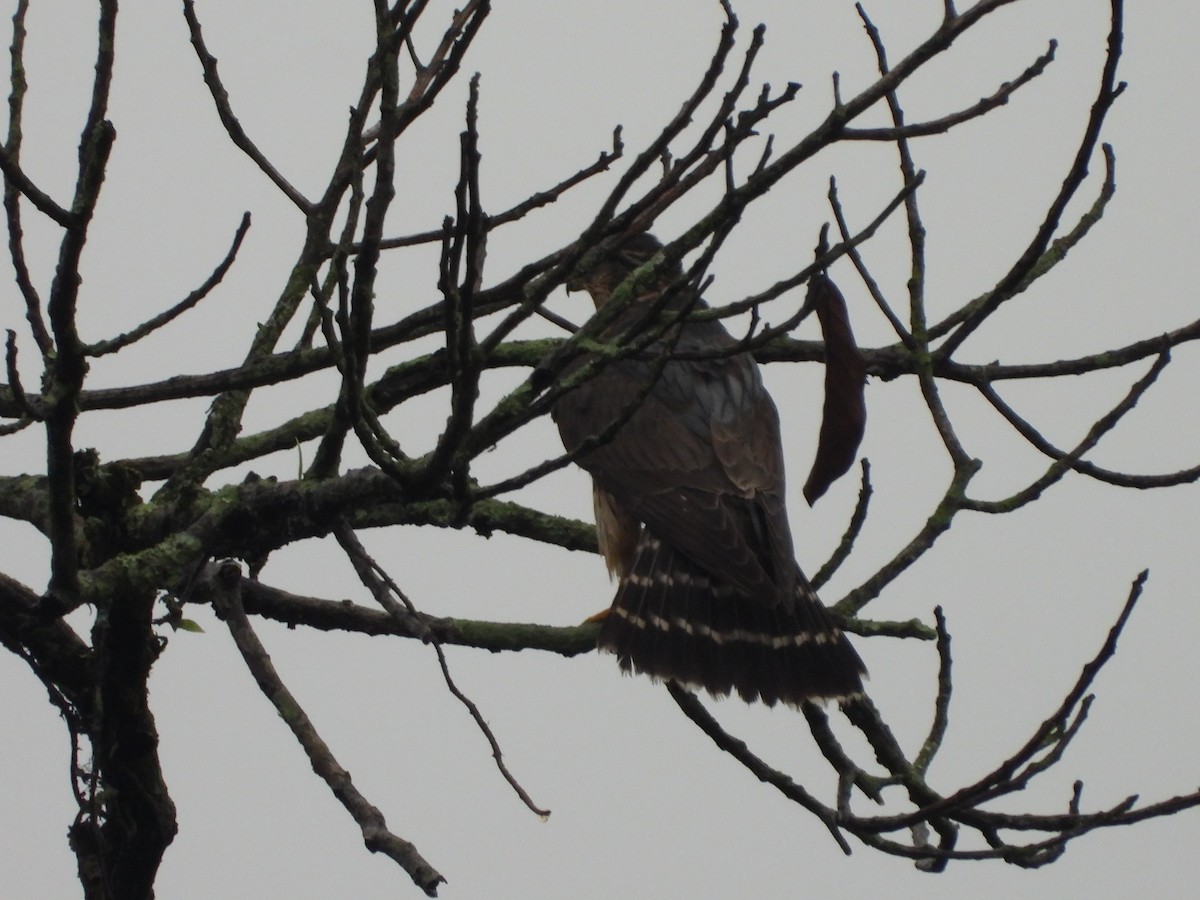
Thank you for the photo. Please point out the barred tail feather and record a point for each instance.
(671, 621)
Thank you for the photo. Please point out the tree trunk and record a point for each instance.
(120, 842)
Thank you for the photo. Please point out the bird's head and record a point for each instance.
(602, 276)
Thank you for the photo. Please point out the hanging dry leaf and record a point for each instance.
(845, 415)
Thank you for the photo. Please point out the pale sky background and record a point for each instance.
(643, 804)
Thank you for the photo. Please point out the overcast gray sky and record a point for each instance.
(643, 804)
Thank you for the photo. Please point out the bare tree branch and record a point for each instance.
(376, 836)
(229, 120)
(100, 348)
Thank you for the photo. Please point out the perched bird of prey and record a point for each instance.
(689, 499)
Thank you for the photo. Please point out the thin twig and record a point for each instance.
(944, 123)
(233, 127)
(694, 710)
(29, 410)
(1109, 90)
(1065, 462)
(853, 529)
(376, 836)
(100, 348)
(15, 177)
(12, 203)
(941, 705)
(385, 590)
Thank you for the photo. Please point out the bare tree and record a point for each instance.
(133, 541)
